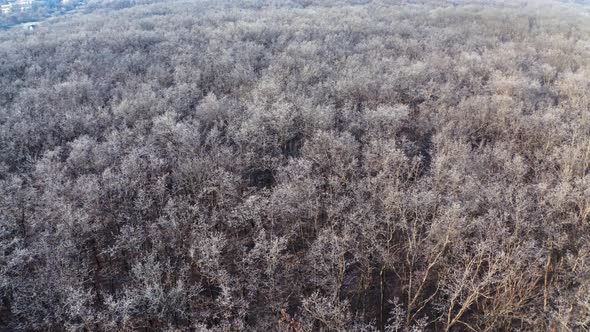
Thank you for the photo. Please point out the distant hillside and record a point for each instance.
(15, 12)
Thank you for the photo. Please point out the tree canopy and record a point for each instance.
(299, 165)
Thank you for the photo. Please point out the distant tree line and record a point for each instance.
(297, 166)
(38, 10)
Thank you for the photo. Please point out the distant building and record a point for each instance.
(23, 4)
(7, 8)
(29, 25)
(27, 5)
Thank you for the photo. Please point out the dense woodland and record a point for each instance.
(297, 165)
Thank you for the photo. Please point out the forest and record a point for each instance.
(297, 165)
